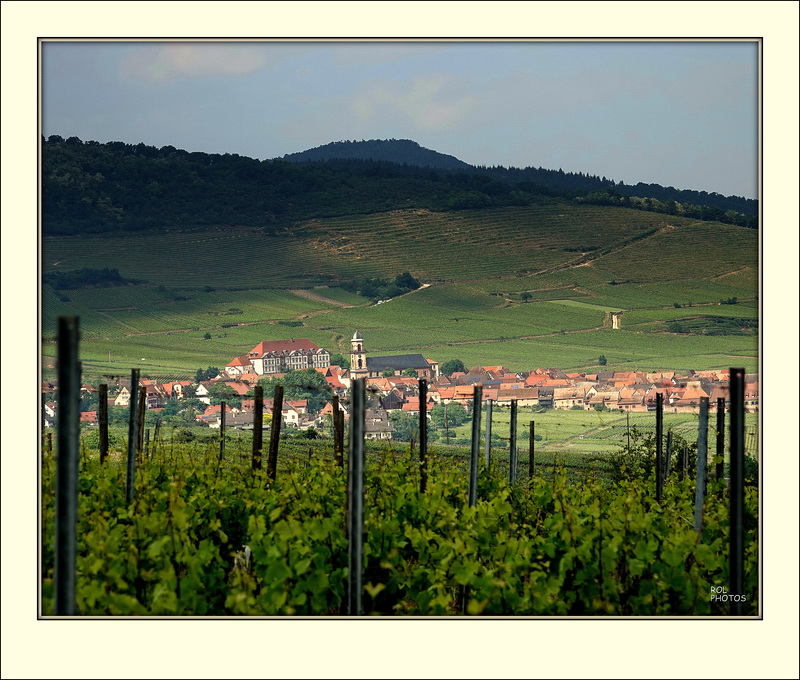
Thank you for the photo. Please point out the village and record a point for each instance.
(393, 383)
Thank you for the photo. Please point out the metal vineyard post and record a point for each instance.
(338, 443)
(222, 406)
(355, 511)
(140, 426)
(736, 498)
(102, 392)
(669, 456)
(684, 462)
(423, 435)
(476, 442)
(488, 435)
(512, 450)
(720, 470)
(700, 468)
(67, 461)
(531, 450)
(659, 436)
(133, 434)
(275, 434)
(258, 427)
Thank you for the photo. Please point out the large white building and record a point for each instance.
(280, 356)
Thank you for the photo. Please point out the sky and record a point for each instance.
(681, 114)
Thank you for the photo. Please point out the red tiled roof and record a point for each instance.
(268, 346)
(332, 377)
(239, 387)
(695, 393)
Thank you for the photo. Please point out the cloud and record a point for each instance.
(164, 62)
(426, 100)
(347, 54)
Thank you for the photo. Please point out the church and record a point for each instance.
(363, 366)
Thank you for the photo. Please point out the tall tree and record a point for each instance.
(308, 384)
(452, 366)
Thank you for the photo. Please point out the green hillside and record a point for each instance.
(519, 286)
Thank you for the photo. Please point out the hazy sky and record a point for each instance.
(678, 113)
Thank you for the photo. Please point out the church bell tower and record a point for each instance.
(358, 357)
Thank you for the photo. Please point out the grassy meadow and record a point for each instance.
(521, 287)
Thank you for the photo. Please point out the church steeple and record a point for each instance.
(358, 357)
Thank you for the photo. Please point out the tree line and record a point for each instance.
(87, 278)
(382, 289)
(115, 187)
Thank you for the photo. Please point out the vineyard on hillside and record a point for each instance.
(518, 286)
(205, 536)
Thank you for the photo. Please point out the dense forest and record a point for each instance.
(401, 151)
(93, 187)
(405, 151)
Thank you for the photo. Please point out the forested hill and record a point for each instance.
(400, 151)
(92, 187)
(407, 152)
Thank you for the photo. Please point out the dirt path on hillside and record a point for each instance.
(316, 297)
(587, 260)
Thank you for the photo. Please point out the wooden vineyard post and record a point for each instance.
(146, 443)
(133, 434)
(736, 491)
(102, 392)
(720, 469)
(67, 462)
(275, 433)
(659, 436)
(338, 444)
(355, 508)
(476, 442)
(488, 436)
(423, 435)
(530, 451)
(258, 427)
(512, 446)
(700, 468)
(222, 406)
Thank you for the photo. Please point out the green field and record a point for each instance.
(242, 286)
(587, 432)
